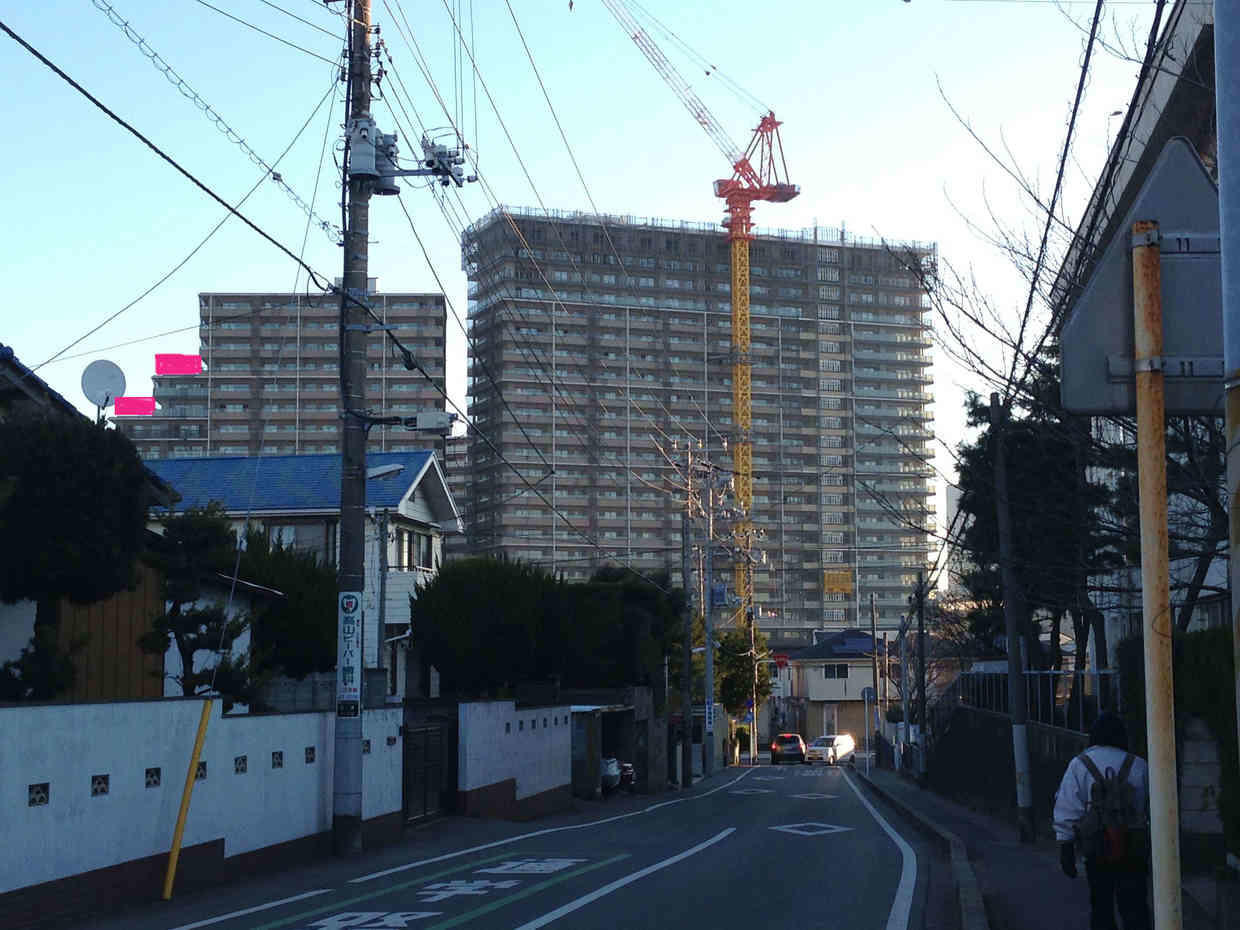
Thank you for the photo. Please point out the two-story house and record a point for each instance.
(822, 684)
(296, 500)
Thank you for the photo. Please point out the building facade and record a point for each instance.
(270, 379)
(601, 345)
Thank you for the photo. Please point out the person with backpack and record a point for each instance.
(1101, 812)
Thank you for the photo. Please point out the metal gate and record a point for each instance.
(424, 774)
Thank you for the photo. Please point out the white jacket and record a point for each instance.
(1073, 796)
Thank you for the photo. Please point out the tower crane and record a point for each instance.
(759, 173)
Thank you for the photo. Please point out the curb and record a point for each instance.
(968, 892)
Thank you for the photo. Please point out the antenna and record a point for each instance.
(103, 382)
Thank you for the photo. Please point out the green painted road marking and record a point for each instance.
(378, 892)
(523, 893)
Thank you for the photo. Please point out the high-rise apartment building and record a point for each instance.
(270, 379)
(609, 341)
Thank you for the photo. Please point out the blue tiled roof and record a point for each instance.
(846, 644)
(283, 482)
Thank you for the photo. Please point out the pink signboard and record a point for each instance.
(167, 363)
(135, 406)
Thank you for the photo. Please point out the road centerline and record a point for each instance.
(523, 893)
(377, 893)
(577, 904)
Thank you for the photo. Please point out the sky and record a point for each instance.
(95, 217)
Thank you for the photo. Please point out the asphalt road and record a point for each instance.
(790, 845)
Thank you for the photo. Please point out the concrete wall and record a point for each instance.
(244, 807)
(513, 762)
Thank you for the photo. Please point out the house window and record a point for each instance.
(425, 550)
(835, 671)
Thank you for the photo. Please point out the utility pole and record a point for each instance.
(708, 762)
(753, 653)
(904, 683)
(886, 673)
(873, 651)
(347, 774)
(921, 676)
(1227, 68)
(1014, 621)
(686, 682)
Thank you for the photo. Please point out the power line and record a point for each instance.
(218, 121)
(326, 32)
(192, 252)
(1050, 210)
(270, 35)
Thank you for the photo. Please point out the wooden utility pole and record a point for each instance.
(1014, 622)
(347, 775)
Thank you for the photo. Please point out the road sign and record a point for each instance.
(349, 655)
(710, 716)
(1097, 339)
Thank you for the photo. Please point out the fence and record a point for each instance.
(1068, 699)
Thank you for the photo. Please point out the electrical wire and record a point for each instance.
(218, 121)
(192, 252)
(326, 32)
(270, 35)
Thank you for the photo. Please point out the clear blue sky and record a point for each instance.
(94, 218)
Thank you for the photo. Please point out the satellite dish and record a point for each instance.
(103, 382)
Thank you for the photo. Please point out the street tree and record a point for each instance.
(72, 519)
(736, 667)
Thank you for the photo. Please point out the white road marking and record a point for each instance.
(530, 867)
(811, 829)
(902, 905)
(816, 797)
(548, 830)
(621, 882)
(251, 910)
(753, 791)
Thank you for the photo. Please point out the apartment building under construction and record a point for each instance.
(600, 343)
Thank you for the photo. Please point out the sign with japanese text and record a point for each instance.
(349, 655)
(710, 716)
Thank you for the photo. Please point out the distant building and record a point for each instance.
(603, 359)
(271, 377)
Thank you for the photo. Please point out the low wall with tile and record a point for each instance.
(513, 762)
(91, 794)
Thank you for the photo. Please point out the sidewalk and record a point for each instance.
(1021, 885)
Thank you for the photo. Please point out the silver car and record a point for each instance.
(831, 749)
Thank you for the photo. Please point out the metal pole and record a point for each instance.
(886, 673)
(1014, 620)
(1155, 580)
(904, 687)
(347, 775)
(708, 765)
(753, 655)
(874, 643)
(1227, 68)
(686, 682)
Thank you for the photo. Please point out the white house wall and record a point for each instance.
(66, 746)
(498, 742)
(817, 688)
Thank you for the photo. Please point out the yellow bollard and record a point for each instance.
(177, 834)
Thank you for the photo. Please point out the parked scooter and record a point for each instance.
(628, 777)
(611, 773)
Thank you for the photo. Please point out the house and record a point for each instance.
(821, 686)
(108, 663)
(296, 500)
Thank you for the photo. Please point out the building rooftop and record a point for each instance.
(816, 235)
(285, 482)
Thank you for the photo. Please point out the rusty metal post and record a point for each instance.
(1155, 579)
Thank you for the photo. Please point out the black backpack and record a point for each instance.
(1114, 829)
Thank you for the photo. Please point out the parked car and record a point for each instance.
(787, 746)
(832, 749)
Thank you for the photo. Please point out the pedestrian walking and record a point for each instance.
(1101, 813)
